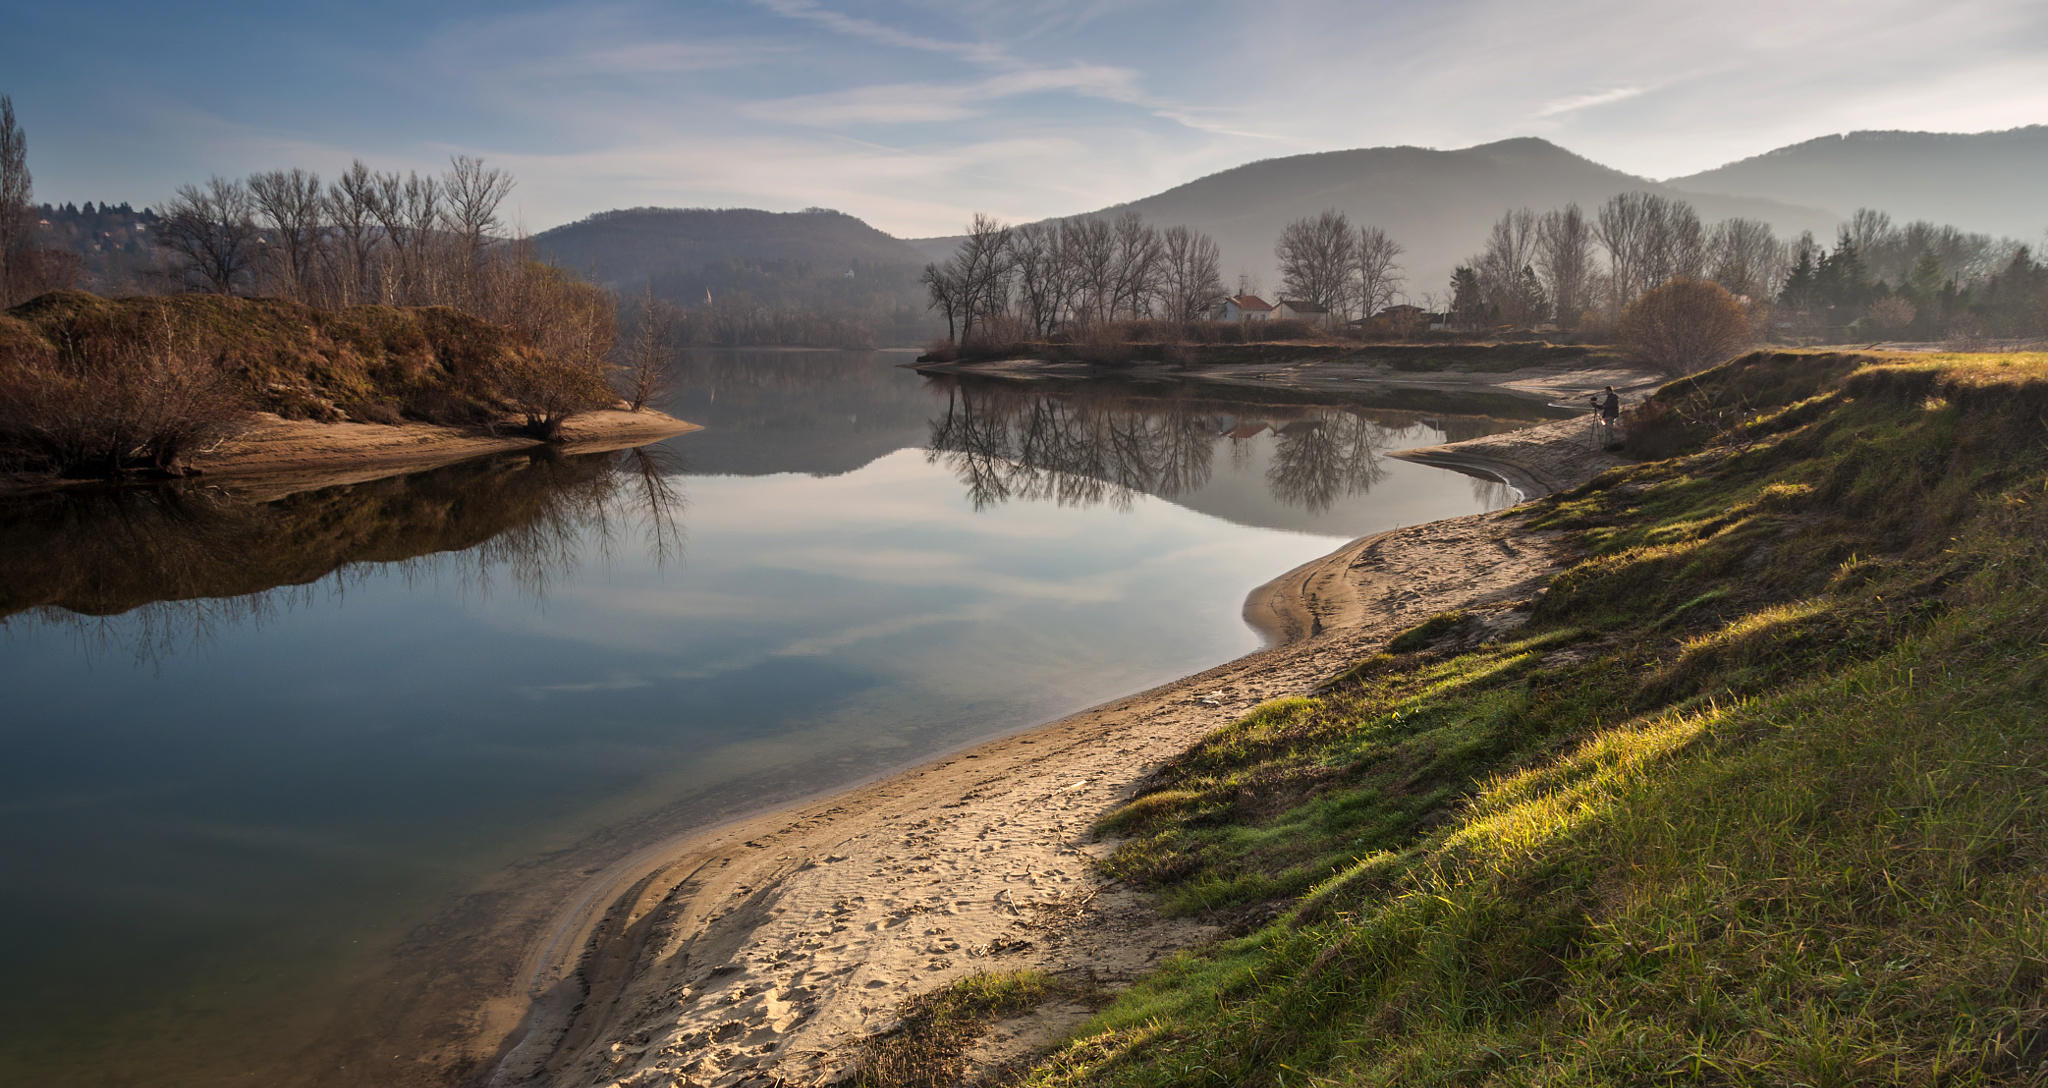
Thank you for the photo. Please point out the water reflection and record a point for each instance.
(822, 413)
(152, 569)
(1089, 445)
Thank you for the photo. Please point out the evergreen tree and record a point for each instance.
(1468, 305)
(1923, 282)
(1850, 281)
(1800, 283)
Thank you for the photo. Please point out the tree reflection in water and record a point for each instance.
(156, 569)
(1077, 447)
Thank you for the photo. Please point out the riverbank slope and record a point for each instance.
(1754, 794)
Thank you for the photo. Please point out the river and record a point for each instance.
(270, 755)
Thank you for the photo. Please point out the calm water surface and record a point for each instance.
(259, 748)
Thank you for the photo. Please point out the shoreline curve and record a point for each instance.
(702, 955)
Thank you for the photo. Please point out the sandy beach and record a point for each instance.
(763, 951)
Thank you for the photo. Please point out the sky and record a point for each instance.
(913, 114)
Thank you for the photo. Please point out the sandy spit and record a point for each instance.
(275, 456)
(275, 451)
(763, 951)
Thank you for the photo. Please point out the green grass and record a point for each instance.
(1759, 794)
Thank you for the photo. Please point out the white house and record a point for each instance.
(1291, 309)
(1242, 308)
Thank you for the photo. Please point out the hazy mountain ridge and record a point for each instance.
(1984, 181)
(813, 257)
(1437, 204)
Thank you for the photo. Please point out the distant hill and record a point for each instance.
(814, 258)
(1994, 182)
(1438, 204)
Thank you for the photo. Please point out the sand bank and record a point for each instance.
(763, 951)
(1321, 373)
(276, 456)
(274, 450)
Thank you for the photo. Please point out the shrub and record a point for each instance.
(1652, 431)
(546, 389)
(104, 407)
(1685, 326)
(1286, 330)
(1892, 314)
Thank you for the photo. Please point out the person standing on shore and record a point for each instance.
(1609, 406)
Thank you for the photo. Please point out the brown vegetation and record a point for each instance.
(1685, 326)
(650, 352)
(94, 405)
(96, 386)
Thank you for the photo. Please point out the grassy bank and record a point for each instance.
(1756, 792)
(93, 386)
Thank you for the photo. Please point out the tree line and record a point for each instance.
(1582, 273)
(368, 236)
(1073, 275)
(1008, 282)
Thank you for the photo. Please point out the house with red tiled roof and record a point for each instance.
(1242, 308)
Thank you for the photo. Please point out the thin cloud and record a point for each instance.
(880, 33)
(1575, 103)
(659, 57)
(903, 103)
(889, 105)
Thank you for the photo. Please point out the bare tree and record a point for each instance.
(983, 266)
(1193, 280)
(1317, 260)
(1747, 258)
(650, 364)
(1508, 284)
(1135, 282)
(352, 208)
(410, 212)
(423, 219)
(1379, 276)
(942, 287)
(1091, 250)
(16, 190)
(210, 231)
(1035, 250)
(1868, 229)
(1622, 226)
(1564, 258)
(1686, 247)
(294, 213)
(474, 194)
(1649, 239)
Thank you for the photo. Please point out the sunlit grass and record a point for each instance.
(1759, 797)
